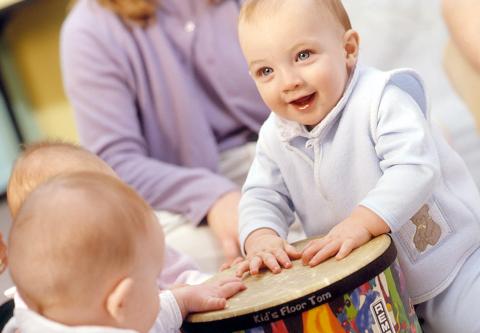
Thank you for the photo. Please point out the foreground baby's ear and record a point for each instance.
(117, 300)
(351, 42)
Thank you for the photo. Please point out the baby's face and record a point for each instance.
(145, 300)
(297, 58)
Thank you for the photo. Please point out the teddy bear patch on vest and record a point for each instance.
(428, 231)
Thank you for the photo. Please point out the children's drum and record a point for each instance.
(364, 292)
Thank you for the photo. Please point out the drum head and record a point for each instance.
(299, 286)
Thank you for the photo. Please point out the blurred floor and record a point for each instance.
(5, 281)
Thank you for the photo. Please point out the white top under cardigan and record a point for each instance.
(169, 320)
(376, 148)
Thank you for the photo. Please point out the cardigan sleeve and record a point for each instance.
(99, 82)
(408, 159)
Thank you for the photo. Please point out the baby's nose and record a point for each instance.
(291, 81)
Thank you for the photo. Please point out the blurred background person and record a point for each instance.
(461, 17)
(462, 54)
(161, 92)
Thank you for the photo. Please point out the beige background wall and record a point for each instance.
(32, 36)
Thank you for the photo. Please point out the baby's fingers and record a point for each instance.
(282, 258)
(312, 249)
(227, 265)
(292, 252)
(231, 288)
(347, 247)
(213, 303)
(271, 262)
(242, 267)
(227, 279)
(326, 252)
(255, 264)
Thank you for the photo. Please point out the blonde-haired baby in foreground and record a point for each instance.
(351, 151)
(85, 252)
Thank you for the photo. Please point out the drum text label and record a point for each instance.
(319, 299)
(290, 309)
(381, 317)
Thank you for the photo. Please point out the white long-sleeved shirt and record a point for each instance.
(376, 148)
(169, 320)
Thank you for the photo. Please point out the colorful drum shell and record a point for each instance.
(372, 298)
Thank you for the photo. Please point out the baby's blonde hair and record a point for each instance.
(335, 7)
(75, 236)
(43, 160)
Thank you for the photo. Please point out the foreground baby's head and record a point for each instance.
(300, 54)
(43, 160)
(85, 249)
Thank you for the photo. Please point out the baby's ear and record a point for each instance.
(117, 300)
(351, 44)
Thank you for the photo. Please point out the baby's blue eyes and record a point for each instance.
(265, 71)
(303, 55)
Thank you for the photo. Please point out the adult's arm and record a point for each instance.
(100, 84)
(461, 17)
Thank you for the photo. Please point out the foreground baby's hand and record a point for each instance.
(265, 248)
(207, 296)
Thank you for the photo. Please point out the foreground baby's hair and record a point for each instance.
(335, 7)
(43, 160)
(72, 236)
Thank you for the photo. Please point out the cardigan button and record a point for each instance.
(189, 26)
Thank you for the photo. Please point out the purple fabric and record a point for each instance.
(159, 104)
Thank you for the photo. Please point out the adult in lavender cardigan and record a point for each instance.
(161, 92)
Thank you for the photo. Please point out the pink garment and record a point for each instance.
(179, 268)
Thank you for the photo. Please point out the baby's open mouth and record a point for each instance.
(303, 102)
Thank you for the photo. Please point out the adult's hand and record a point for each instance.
(223, 219)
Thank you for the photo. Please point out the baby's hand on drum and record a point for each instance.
(339, 242)
(346, 236)
(265, 248)
(227, 265)
(207, 296)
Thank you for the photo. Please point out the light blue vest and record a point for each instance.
(355, 157)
